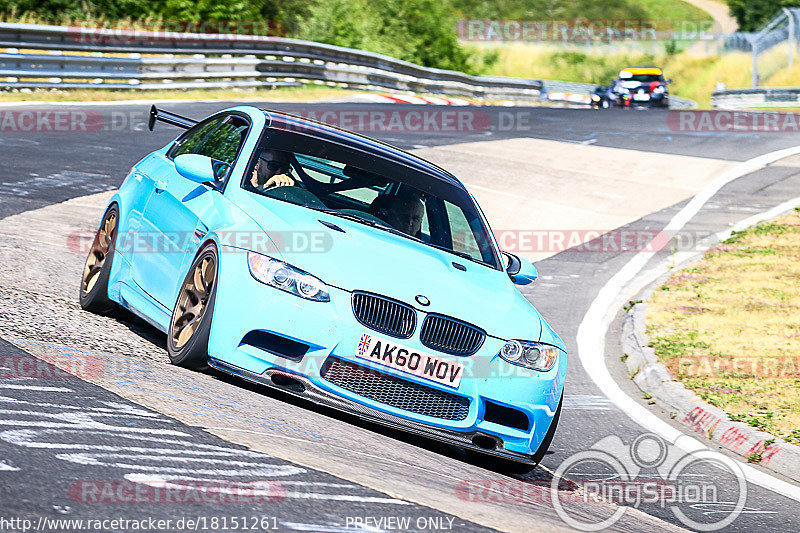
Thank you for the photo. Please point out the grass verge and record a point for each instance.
(729, 327)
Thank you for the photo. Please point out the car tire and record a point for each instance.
(190, 323)
(93, 292)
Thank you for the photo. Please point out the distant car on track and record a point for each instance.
(635, 86)
(405, 311)
(604, 98)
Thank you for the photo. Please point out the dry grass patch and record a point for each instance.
(729, 327)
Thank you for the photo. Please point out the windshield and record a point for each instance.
(381, 202)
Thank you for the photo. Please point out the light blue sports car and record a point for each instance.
(336, 268)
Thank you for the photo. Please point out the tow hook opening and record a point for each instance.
(287, 382)
(484, 441)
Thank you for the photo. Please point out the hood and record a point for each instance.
(364, 258)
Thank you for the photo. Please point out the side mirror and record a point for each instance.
(197, 168)
(521, 271)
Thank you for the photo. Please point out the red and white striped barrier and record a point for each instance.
(575, 98)
(411, 99)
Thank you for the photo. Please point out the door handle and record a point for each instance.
(160, 186)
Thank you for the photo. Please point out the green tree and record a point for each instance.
(207, 10)
(753, 14)
(169, 10)
(80, 9)
(420, 31)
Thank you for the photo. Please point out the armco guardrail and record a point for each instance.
(678, 102)
(763, 97)
(170, 60)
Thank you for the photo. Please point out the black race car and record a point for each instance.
(636, 86)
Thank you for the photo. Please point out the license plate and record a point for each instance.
(641, 97)
(423, 365)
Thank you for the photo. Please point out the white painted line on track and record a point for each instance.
(587, 402)
(7, 468)
(493, 490)
(175, 482)
(146, 478)
(594, 327)
(344, 498)
(31, 387)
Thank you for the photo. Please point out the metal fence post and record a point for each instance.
(792, 38)
(754, 45)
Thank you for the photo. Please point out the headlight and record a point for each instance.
(595, 97)
(287, 278)
(533, 355)
(659, 89)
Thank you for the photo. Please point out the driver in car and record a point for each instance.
(271, 170)
(406, 212)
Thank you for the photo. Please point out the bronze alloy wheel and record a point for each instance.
(93, 293)
(103, 241)
(193, 300)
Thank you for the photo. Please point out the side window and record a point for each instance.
(219, 139)
(193, 138)
(223, 143)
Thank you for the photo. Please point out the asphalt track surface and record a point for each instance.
(43, 168)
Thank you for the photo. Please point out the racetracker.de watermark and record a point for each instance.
(577, 30)
(582, 240)
(371, 119)
(391, 119)
(523, 241)
(757, 367)
(714, 121)
(172, 31)
(177, 492)
(65, 366)
(62, 121)
(167, 242)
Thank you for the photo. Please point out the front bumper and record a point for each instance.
(330, 329)
(310, 391)
(651, 100)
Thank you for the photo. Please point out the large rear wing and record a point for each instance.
(169, 118)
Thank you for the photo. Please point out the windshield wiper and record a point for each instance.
(351, 216)
(456, 252)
